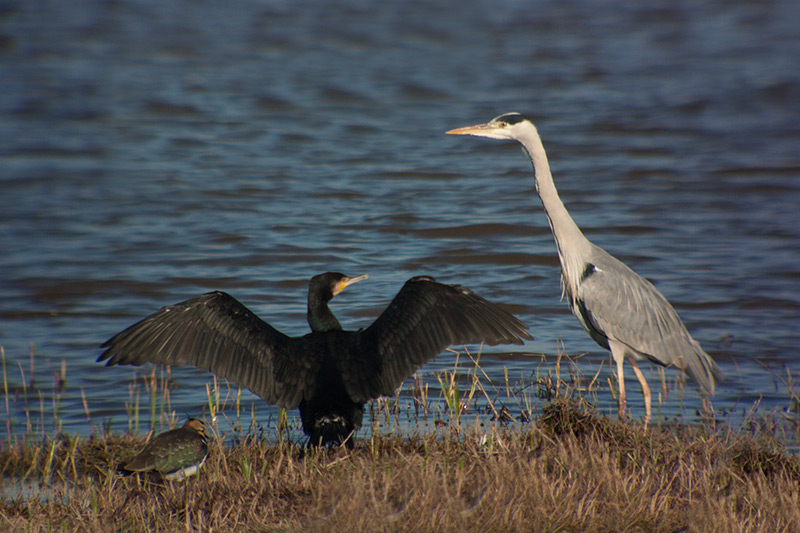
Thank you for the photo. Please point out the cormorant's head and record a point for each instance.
(329, 284)
(507, 126)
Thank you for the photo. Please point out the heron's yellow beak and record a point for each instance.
(478, 129)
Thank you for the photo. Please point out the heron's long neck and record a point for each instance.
(565, 231)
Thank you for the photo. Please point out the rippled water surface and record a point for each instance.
(153, 151)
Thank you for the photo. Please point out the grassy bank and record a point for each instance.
(557, 465)
(569, 469)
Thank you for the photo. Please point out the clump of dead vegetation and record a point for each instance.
(570, 469)
(557, 465)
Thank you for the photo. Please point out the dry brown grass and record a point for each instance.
(570, 469)
(567, 469)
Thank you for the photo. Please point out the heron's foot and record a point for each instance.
(622, 409)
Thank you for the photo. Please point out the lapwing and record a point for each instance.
(175, 454)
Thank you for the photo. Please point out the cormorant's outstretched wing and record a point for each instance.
(216, 332)
(423, 319)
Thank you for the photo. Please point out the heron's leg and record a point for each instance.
(618, 353)
(645, 389)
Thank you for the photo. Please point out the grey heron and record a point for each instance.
(329, 373)
(621, 311)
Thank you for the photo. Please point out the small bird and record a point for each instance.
(621, 311)
(175, 454)
(329, 373)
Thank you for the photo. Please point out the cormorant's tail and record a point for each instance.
(331, 431)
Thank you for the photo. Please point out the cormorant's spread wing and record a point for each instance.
(423, 319)
(216, 332)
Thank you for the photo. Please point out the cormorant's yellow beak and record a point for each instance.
(347, 281)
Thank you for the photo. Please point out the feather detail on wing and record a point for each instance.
(621, 305)
(423, 319)
(217, 333)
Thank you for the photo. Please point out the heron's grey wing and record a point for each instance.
(423, 319)
(615, 302)
(217, 333)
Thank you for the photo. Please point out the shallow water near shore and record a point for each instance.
(154, 152)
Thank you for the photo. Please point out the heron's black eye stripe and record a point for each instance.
(511, 119)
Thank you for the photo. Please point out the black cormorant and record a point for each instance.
(329, 373)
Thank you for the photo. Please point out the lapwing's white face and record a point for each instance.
(197, 425)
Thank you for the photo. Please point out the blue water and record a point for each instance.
(153, 151)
